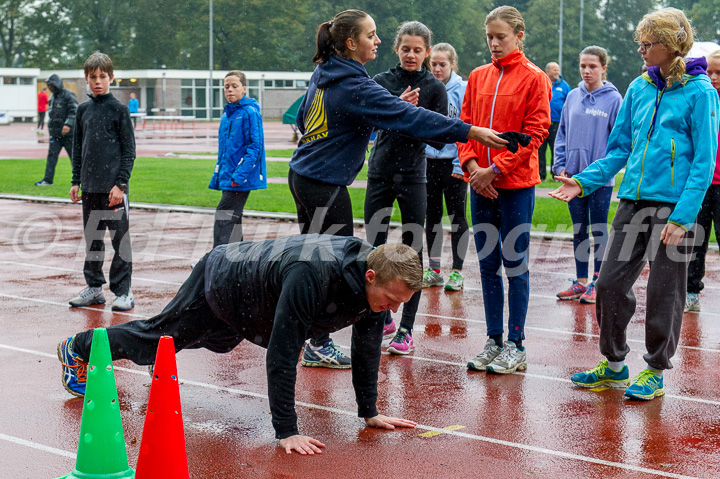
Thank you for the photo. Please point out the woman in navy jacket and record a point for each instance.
(341, 108)
(241, 158)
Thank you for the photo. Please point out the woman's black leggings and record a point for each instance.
(442, 183)
(321, 207)
(411, 198)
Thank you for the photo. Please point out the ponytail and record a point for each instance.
(332, 36)
(676, 70)
(324, 44)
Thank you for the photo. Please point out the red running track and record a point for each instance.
(534, 424)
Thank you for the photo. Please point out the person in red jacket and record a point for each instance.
(42, 108)
(508, 94)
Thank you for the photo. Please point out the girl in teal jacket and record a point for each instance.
(665, 136)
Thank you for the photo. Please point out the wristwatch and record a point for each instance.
(123, 186)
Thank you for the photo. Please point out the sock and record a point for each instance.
(437, 270)
(498, 340)
(518, 343)
(656, 372)
(616, 366)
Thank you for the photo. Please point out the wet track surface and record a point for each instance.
(534, 424)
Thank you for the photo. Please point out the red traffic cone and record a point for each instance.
(162, 448)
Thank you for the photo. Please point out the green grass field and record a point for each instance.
(184, 182)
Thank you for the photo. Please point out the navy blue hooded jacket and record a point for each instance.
(340, 110)
(241, 148)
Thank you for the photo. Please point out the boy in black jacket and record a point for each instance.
(103, 157)
(276, 294)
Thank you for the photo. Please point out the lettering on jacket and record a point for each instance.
(595, 112)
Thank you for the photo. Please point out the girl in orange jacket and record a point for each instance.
(509, 94)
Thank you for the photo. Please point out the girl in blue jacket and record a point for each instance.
(586, 121)
(665, 136)
(241, 158)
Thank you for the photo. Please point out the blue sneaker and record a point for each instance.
(74, 369)
(602, 375)
(646, 386)
(328, 356)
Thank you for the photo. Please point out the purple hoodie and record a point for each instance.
(585, 124)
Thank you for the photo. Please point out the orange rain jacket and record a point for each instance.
(509, 94)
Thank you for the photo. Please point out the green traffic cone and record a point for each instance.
(101, 449)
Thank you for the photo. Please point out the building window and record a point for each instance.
(27, 80)
(10, 80)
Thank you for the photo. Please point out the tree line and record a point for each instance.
(280, 34)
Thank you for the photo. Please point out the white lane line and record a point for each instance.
(35, 445)
(136, 254)
(563, 331)
(70, 270)
(66, 305)
(414, 357)
(526, 374)
(490, 440)
(467, 320)
(132, 234)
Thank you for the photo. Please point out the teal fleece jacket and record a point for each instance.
(666, 140)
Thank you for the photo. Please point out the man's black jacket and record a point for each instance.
(278, 293)
(63, 105)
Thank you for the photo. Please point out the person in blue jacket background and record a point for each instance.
(560, 90)
(665, 136)
(241, 158)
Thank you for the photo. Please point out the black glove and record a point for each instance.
(513, 138)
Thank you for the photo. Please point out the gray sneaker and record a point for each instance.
(511, 359)
(480, 362)
(88, 296)
(123, 302)
(431, 278)
(692, 303)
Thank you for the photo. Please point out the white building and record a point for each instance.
(161, 92)
(18, 93)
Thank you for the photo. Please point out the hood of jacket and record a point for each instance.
(245, 102)
(55, 81)
(693, 66)
(591, 98)
(338, 68)
(454, 83)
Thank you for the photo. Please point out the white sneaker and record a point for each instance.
(510, 360)
(692, 303)
(480, 362)
(123, 302)
(88, 296)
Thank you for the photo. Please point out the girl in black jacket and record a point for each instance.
(397, 163)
